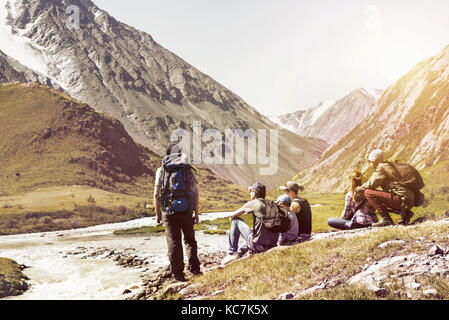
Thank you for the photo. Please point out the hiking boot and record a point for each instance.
(196, 272)
(180, 277)
(385, 222)
(405, 219)
(230, 258)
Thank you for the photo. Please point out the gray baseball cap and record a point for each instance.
(291, 185)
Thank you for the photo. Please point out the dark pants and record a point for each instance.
(384, 203)
(342, 224)
(176, 224)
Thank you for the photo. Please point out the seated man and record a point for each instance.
(260, 239)
(291, 236)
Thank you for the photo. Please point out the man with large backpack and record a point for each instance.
(176, 198)
(401, 185)
(269, 220)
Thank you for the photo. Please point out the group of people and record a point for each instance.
(397, 196)
(176, 202)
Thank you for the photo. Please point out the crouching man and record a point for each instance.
(260, 239)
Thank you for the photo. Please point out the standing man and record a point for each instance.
(301, 208)
(176, 198)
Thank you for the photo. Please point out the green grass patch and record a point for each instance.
(215, 232)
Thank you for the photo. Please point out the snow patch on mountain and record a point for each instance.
(330, 121)
(320, 109)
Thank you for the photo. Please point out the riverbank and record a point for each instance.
(12, 280)
(405, 263)
(93, 263)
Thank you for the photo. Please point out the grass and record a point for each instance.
(296, 268)
(12, 280)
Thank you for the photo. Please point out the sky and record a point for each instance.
(281, 56)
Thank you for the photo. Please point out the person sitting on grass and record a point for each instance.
(291, 236)
(301, 208)
(260, 239)
(358, 213)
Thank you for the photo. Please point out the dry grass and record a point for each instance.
(268, 275)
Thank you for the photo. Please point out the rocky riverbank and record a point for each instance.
(406, 272)
(156, 282)
(12, 280)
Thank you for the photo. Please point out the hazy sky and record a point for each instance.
(285, 55)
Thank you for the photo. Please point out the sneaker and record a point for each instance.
(383, 223)
(196, 273)
(230, 258)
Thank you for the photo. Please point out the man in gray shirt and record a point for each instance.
(260, 239)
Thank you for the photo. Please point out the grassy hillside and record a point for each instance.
(65, 165)
(322, 269)
(12, 280)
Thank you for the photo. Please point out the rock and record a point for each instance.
(174, 287)
(435, 250)
(286, 296)
(216, 293)
(381, 292)
(126, 291)
(388, 243)
(410, 282)
(190, 289)
(431, 293)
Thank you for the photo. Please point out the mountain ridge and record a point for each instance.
(330, 121)
(123, 72)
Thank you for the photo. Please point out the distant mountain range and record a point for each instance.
(410, 123)
(124, 73)
(331, 121)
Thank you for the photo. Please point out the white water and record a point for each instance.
(56, 276)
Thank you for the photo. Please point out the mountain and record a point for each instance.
(331, 121)
(50, 139)
(410, 123)
(124, 73)
(12, 71)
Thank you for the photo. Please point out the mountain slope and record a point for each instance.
(331, 121)
(123, 72)
(410, 122)
(50, 139)
(12, 71)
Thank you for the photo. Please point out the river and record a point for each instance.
(57, 275)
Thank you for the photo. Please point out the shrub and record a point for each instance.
(123, 210)
(46, 220)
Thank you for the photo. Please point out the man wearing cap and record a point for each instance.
(260, 239)
(385, 201)
(301, 207)
(291, 236)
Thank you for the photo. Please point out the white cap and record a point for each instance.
(376, 156)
